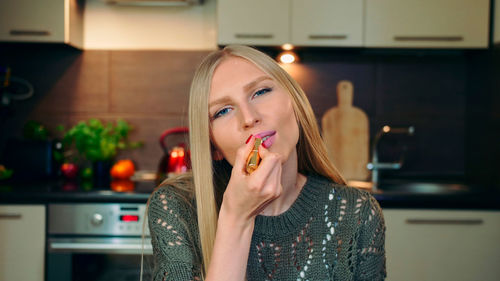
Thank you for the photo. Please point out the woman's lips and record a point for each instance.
(269, 141)
(268, 138)
(265, 134)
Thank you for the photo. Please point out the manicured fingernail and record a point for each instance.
(249, 138)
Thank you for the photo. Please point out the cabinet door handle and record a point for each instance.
(10, 216)
(253, 36)
(429, 38)
(325, 36)
(29, 33)
(445, 221)
(100, 248)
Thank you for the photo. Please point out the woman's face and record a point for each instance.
(245, 101)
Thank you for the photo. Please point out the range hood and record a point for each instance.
(155, 2)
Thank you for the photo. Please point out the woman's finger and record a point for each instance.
(268, 161)
(240, 161)
(273, 185)
(271, 190)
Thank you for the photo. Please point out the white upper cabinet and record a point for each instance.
(300, 22)
(327, 22)
(57, 21)
(368, 23)
(427, 23)
(256, 22)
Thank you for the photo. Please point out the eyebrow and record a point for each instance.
(255, 82)
(247, 87)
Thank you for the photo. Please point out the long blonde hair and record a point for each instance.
(209, 176)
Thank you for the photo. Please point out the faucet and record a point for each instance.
(375, 166)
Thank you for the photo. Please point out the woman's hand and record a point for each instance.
(245, 197)
(248, 194)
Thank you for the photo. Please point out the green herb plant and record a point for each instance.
(96, 141)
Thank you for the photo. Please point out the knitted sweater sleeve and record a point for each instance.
(171, 225)
(371, 243)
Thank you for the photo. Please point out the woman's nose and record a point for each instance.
(249, 116)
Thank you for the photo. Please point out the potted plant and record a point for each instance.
(99, 144)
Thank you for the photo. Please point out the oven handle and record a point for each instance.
(100, 248)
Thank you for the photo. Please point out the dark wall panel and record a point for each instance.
(451, 99)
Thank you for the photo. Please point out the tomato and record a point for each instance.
(123, 169)
(69, 170)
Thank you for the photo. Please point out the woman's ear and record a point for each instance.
(217, 155)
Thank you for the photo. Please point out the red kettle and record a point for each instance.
(177, 159)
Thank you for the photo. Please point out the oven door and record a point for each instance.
(99, 259)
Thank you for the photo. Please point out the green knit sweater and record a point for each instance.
(331, 232)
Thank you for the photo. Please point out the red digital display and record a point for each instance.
(127, 218)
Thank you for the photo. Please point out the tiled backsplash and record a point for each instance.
(150, 90)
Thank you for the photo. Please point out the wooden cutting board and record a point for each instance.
(346, 135)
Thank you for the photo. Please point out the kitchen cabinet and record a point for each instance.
(384, 23)
(22, 242)
(442, 245)
(300, 22)
(427, 23)
(327, 22)
(257, 22)
(54, 21)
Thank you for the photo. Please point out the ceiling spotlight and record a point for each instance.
(287, 57)
(287, 47)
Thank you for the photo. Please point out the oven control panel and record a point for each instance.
(127, 219)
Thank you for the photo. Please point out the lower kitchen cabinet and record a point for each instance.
(22, 242)
(442, 245)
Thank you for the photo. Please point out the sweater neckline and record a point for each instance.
(296, 216)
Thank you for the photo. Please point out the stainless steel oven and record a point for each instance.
(100, 242)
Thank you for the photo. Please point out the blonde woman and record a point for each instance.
(293, 218)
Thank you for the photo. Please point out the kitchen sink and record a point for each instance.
(421, 187)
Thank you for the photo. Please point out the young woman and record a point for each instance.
(293, 218)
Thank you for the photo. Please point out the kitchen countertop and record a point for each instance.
(61, 192)
(64, 192)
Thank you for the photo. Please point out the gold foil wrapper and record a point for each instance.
(253, 159)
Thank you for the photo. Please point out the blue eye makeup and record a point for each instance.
(262, 91)
(228, 109)
(221, 113)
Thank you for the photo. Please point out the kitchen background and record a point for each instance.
(138, 62)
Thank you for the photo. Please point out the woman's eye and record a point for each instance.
(262, 91)
(221, 112)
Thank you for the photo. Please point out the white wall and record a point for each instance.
(148, 28)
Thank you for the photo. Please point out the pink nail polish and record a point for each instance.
(249, 138)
